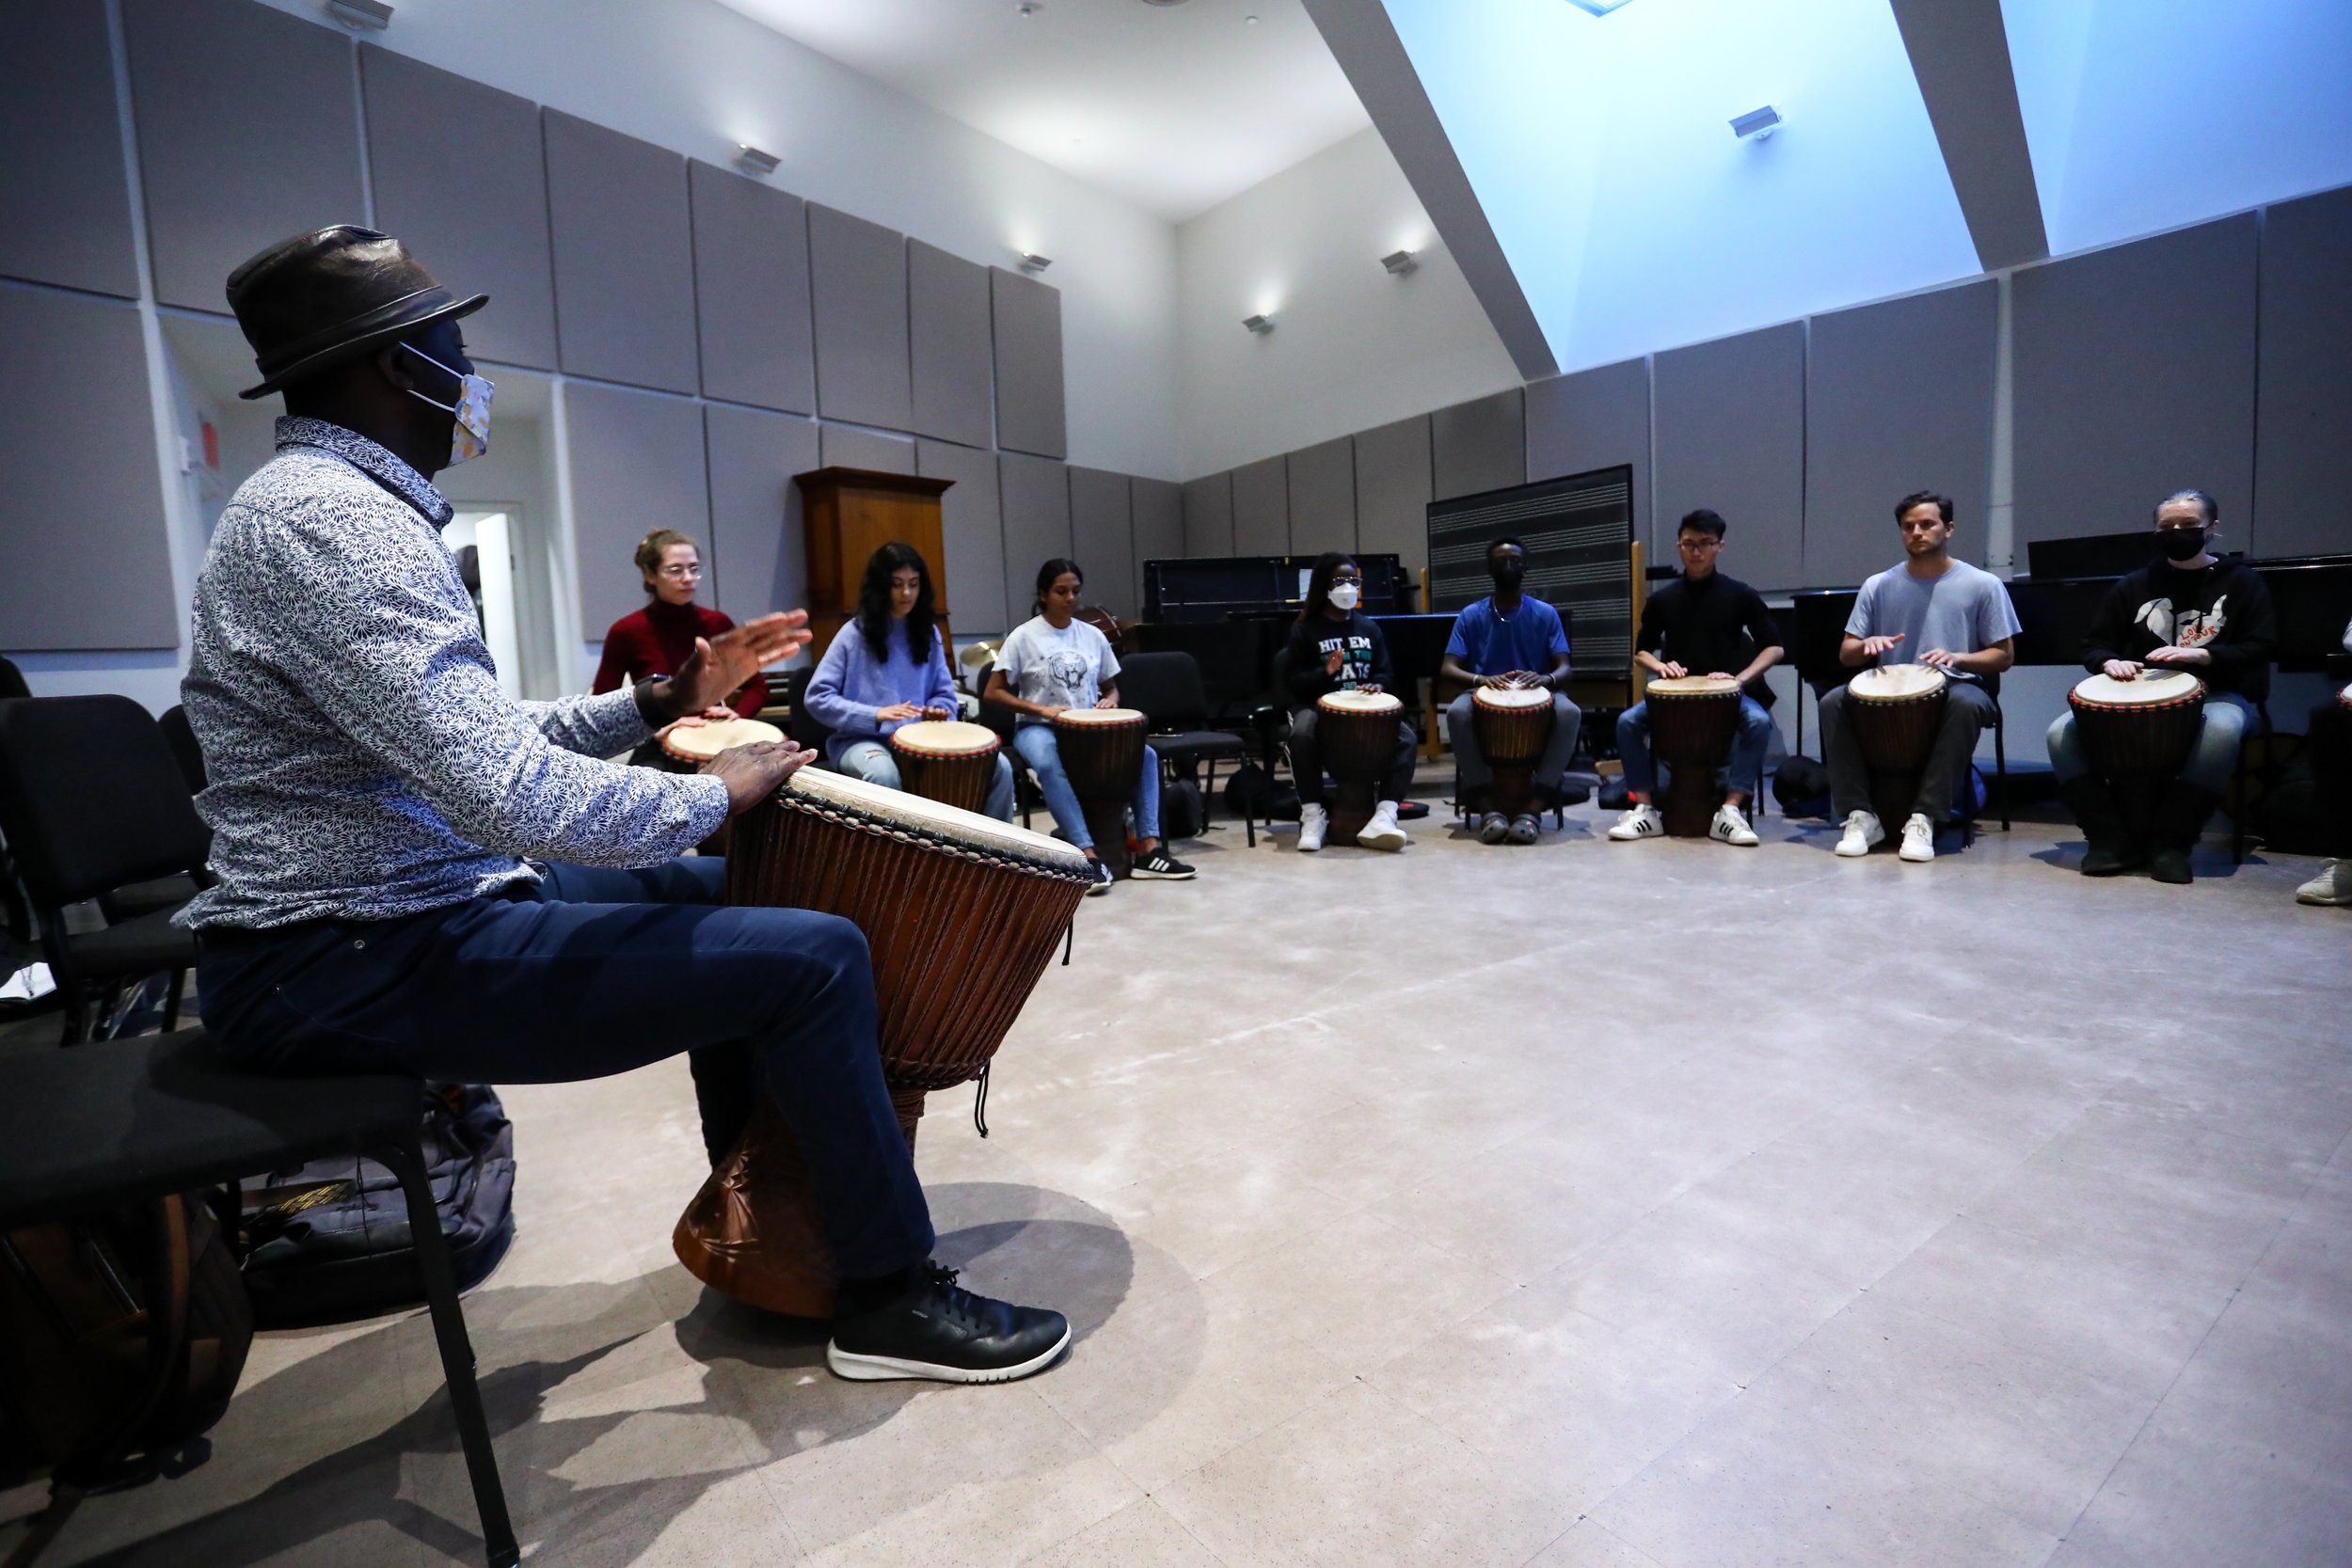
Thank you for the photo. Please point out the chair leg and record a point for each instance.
(449, 1328)
(2000, 765)
(172, 998)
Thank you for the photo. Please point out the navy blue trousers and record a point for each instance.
(593, 972)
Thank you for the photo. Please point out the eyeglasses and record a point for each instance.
(681, 572)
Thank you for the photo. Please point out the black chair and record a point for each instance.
(2259, 730)
(91, 801)
(130, 1120)
(164, 892)
(1167, 687)
(804, 728)
(1025, 794)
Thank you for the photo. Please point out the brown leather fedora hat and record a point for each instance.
(315, 301)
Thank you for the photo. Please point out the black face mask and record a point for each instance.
(2181, 544)
(1507, 575)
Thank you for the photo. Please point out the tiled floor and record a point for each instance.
(1652, 1206)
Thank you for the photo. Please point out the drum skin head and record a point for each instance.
(720, 735)
(1360, 701)
(1691, 686)
(822, 787)
(1512, 697)
(1892, 683)
(1101, 715)
(945, 737)
(2169, 685)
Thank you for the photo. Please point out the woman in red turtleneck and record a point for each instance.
(658, 638)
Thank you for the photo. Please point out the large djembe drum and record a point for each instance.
(1896, 711)
(1513, 724)
(689, 747)
(963, 915)
(1356, 739)
(946, 760)
(2139, 729)
(1692, 721)
(1102, 751)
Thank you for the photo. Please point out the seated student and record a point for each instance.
(415, 872)
(1508, 639)
(2189, 611)
(1702, 622)
(1054, 661)
(2329, 738)
(1935, 610)
(887, 666)
(1336, 647)
(657, 640)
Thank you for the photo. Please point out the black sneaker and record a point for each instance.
(939, 1330)
(1161, 867)
(1103, 878)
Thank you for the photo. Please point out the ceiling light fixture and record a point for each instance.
(1032, 262)
(361, 13)
(1259, 324)
(1399, 263)
(1756, 124)
(751, 160)
(1599, 7)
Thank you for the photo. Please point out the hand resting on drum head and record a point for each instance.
(753, 773)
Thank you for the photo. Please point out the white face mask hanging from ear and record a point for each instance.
(469, 432)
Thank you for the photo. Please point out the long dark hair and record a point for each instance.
(873, 603)
(1047, 573)
(1319, 583)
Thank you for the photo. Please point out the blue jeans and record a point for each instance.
(1036, 744)
(874, 762)
(592, 972)
(2228, 715)
(1747, 748)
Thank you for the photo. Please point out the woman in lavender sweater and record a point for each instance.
(888, 667)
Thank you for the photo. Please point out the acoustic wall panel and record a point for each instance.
(758, 544)
(972, 526)
(1030, 415)
(65, 204)
(751, 291)
(1479, 445)
(1590, 420)
(1209, 515)
(1159, 525)
(623, 257)
(1261, 508)
(1322, 496)
(89, 562)
(638, 464)
(247, 132)
(2134, 374)
(1729, 435)
(1102, 531)
(848, 446)
(948, 337)
(1898, 398)
(460, 176)
(1393, 490)
(1036, 494)
(2303, 440)
(858, 280)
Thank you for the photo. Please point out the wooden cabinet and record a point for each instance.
(849, 514)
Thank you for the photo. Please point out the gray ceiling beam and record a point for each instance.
(1364, 42)
(1959, 53)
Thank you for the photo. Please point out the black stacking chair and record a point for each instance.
(1002, 719)
(164, 892)
(1167, 687)
(804, 727)
(130, 1120)
(92, 801)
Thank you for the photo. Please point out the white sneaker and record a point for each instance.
(2331, 887)
(1918, 840)
(1313, 819)
(1641, 820)
(1382, 832)
(1862, 831)
(1730, 827)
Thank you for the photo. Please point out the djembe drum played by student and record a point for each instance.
(1513, 724)
(946, 760)
(961, 914)
(1102, 751)
(1896, 711)
(1693, 722)
(2142, 728)
(1356, 739)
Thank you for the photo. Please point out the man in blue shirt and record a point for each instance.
(1508, 639)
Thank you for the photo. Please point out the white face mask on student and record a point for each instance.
(1344, 595)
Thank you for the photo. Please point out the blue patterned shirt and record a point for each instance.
(363, 761)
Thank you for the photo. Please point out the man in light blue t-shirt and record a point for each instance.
(1933, 610)
(1508, 639)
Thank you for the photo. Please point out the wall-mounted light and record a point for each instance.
(361, 13)
(1399, 263)
(1032, 262)
(1259, 324)
(751, 160)
(1599, 7)
(1756, 124)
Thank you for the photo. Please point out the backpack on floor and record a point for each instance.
(2291, 816)
(329, 1241)
(1801, 788)
(1253, 792)
(1180, 809)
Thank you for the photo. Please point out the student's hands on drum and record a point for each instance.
(1673, 670)
(1873, 646)
(2122, 669)
(753, 773)
(2179, 655)
(1940, 658)
(896, 711)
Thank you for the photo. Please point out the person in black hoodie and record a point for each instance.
(2189, 610)
(1333, 647)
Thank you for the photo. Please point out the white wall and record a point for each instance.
(1352, 346)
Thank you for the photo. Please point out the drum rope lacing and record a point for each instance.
(850, 817)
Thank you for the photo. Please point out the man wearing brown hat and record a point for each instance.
(417, 873)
